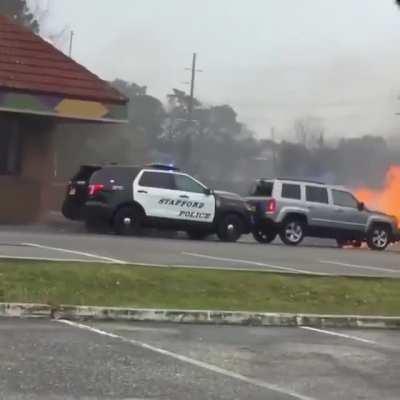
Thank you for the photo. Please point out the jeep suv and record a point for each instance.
(129, 198)
(294, 209)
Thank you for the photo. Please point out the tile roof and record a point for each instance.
(28, 63)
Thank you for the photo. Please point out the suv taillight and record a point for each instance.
(95, 188)
(271, 206)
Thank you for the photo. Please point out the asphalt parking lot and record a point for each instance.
(52, 360)
(313, 257)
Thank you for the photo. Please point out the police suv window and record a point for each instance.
(187, 184)
(291, 191)
(344, 199)
(161, 180)
(316, 194)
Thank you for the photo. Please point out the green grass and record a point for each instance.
(113, 285)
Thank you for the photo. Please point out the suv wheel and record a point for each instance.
(230, 228)
(264, 234)
(128, 221)
(292, 231)
(378, 237)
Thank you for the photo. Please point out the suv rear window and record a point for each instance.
(262, 189)
(291, 191)
(85, 172)
(120, 175)
(161, 180)
(317, 194)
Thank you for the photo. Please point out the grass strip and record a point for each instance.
(58, 283)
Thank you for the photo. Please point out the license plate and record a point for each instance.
(72, 192)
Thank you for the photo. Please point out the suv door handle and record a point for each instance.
(142, 191)
(183, 196)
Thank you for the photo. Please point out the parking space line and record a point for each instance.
(368, 267)
(80, 253)
(342, 335)
(192, 361)
(239, 261)
(51, 259)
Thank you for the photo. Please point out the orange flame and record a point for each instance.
(388, 198)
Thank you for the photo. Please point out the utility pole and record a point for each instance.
(192, 84)
(273, 151)
(187, 147)
(71, 39)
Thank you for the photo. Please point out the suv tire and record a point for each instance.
(263, 234)
(378, 237)
(292, 231)
(128, 221)
(230, 228)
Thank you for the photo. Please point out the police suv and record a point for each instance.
(129, 198)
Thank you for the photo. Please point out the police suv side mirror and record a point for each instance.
(361, 206)
(207, 191)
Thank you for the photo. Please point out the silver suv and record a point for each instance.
(294, 209)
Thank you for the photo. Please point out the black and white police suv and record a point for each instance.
(129, 198)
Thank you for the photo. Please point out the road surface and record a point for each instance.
(246, 254)
(50, 360)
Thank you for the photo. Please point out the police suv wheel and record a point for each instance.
(378, 237)
(292, 231)
(128, 221)
(230, 228)
(264, 234)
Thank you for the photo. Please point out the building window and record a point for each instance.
(10, 146)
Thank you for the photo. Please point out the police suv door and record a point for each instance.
(154, 190)
(193, 205)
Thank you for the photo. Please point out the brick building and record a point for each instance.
(40, 87)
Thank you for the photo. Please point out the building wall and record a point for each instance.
(26, 194)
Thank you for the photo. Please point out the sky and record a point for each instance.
(274, 61)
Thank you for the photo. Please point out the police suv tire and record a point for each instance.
(128, 221)
(230, 228)
(292, 231)
(378, 237)
(197, 235)
(264, 234)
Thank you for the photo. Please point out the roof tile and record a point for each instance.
(29, 63)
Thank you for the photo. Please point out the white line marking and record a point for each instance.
(80, 253)
(342, 335)
(51, 259)
(192, 361)
(239, 261)
(358, 266)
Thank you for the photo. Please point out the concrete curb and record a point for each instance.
(79, 313)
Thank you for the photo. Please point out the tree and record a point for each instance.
(20, 12)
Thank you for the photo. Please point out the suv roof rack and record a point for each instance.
(293, 180)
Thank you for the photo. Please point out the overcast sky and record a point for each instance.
(273, 60)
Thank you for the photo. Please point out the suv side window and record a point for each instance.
(187, 184)
(317, 194)
(160, 180)
(344, 199)
(291, 191)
